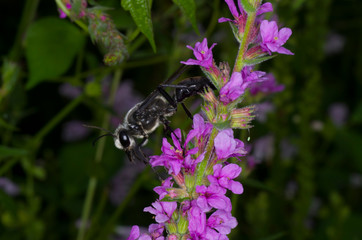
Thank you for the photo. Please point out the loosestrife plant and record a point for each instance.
(192, 203)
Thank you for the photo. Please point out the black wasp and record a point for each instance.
(142, 119)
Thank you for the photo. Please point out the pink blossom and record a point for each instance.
(197, 223)
(221, 221)
(200, 128)
(223, 176)
(240, 17)
(226, 146)
(232, 90)
(272, 39)
(212, 196)
(202, 53)
(269, 85)
(162, 190)
(162, 210)
(172, 158)
(135, 233)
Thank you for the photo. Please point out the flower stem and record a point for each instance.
(239, 63)
(26, 19)
(202, 166)
(58, 118)
(92, 184)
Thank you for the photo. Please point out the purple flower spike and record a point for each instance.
(162, 210)
(226, 146)
(272, 39)
(223, 177)
(203, 55)
(232, 90)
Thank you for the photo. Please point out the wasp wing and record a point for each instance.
(148, 100)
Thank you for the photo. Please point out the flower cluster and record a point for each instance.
(101, 29)
(204, 211)
(192, 202)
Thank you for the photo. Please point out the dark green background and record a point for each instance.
(324, 175)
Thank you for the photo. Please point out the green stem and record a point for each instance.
(27, 18)
(98, 158)
(107, 228)
(239, 63)
(202, 166)
(58, 118)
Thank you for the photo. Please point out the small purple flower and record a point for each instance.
(266, 7)
(212, 196)
(223, 177)
(203, 55)
(69, 91)
(172, 158)
(63, 14)
(269, 85)
(74, 131)
(238, 83)
(190, 164)
(262, 111)
(250, 76)
(162, 190)
(263, 148)
(226, 146)
(162, 210)
(9, 187)
(135, 233)
(200, 129)
(222, 221)
(232, 90)
(156, 231)
(197, 223)
(272, 39)
(338, 112)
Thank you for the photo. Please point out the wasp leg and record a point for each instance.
(171, 100)
(187, 111)
(168, 129)
(167, 96)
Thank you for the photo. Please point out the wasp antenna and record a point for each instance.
(107, 134)
(99, 128)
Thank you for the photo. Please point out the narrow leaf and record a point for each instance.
(141, 14)
(11, 152)
(251, 62)
(188, 7)
(247, 6)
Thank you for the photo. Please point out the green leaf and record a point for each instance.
(251, 62)
(11, 152)
(141, 13)
(51, 46)
(247, 6)
(188, 7)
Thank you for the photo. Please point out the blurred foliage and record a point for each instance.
(52, 75)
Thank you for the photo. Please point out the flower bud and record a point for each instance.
(182, 225)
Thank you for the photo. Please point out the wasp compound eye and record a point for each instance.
(124, 139)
